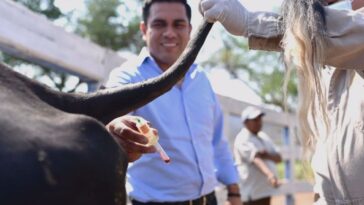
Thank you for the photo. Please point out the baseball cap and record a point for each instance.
(250, 113)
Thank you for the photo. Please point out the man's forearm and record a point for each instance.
(263, 167)
(344, 42)
(275, 157)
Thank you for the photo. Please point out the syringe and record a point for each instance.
(144, 128)
(162, 153)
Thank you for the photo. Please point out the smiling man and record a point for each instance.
(188, 118)
(166, 30)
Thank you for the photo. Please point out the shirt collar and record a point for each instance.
(250, 134)
(145, 57)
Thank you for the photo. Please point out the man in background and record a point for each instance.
(256, 157)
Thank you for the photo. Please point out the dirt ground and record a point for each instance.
(300, 199)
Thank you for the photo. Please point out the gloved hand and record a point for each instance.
(230, 13)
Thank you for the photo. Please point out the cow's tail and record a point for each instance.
(107, 104)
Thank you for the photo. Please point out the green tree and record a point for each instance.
(112, 23)
(263, 70)
(45, 7)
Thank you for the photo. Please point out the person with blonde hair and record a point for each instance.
(326, 46)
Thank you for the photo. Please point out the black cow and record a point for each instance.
(54, 148)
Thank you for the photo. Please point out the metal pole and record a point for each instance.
(92, 86)
(288, 172)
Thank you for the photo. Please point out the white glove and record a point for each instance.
(230, 13)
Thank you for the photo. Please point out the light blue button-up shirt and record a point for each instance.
(189, 121)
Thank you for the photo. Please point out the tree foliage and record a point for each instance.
(112, 24)
(264, 71)
(45, 7)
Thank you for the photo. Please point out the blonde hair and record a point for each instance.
(303, 44)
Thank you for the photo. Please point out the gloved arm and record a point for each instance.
(262, 28)
(230, 13)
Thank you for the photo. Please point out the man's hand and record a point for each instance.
(233, 197)
(125, 131)
(234, 201)
(230, 13)
(273, 181)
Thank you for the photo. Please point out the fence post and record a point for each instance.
(288, 172)
(92, 86)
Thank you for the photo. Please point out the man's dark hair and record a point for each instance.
(148, 3)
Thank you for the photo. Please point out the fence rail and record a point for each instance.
(32, 37)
